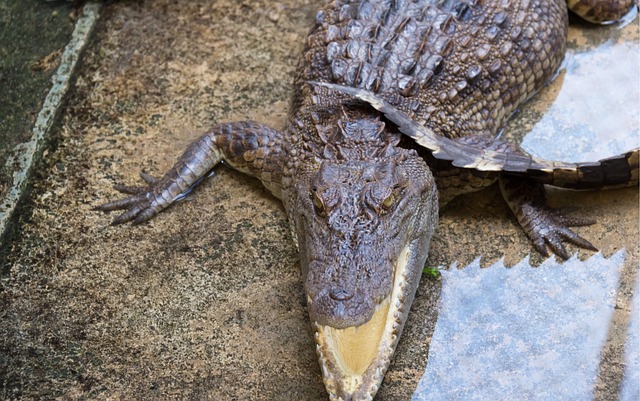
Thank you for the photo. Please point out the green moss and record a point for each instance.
(432, 272)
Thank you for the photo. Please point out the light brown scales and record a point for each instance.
(600, 11)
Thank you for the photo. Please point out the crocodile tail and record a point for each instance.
(616, 171)
(621, 170)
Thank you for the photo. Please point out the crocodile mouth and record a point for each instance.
(354, 359)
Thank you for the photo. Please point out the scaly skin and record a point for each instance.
(361, 192)
(600, 11)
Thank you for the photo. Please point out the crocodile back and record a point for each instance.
(460, 67)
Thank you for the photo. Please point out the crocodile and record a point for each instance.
(395, 111)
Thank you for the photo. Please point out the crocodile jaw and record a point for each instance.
(354, 360)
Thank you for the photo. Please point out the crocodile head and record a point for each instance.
(363, 220)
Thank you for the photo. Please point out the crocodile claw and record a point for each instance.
(548, 229)
(141, 206)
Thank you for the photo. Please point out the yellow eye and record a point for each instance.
(388, 202)
(317, 203)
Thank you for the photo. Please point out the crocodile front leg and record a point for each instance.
(247, 146)
(545, 227)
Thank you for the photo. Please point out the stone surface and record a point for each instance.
(521, 333)
(21, 161)
(32, 35)
(205, 301)
(631, 382)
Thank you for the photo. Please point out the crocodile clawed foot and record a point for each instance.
(548, 229)
(139, 207)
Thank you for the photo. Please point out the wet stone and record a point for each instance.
(631, 383)
(522, 332)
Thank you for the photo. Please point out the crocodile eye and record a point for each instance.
(317, 203)
(388, 201)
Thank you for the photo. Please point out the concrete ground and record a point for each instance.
(205, 301)
(32, 36)
(34, 89)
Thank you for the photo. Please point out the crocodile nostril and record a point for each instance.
(340, 294)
